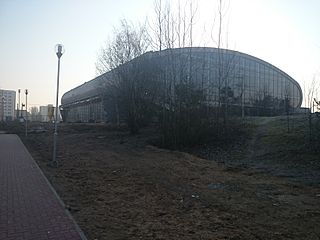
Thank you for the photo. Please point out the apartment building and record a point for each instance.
(7, 105)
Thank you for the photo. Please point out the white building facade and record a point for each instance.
(7, 105)
(44, 113)
(47, 113)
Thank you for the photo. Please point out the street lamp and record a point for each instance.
(26, 92)
(59, 49)
(19, 113)
(3, 100)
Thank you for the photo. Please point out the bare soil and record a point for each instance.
(118, 186)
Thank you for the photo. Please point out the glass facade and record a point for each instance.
(248, 81)
(251, 80)
(90, 110)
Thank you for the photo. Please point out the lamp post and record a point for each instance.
(19, 112)
(59, 49)
(3, 100)
(26, 92)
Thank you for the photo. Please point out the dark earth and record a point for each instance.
(119, 186)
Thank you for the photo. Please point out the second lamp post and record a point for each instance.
(26, 92)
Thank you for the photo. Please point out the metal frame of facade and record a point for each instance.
(251, 79)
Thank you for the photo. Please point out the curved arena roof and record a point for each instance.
(256, 76)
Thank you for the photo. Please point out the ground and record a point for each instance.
(119, 186)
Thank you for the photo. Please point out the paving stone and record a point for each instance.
(29, 207)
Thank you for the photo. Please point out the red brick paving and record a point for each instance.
(29, 207)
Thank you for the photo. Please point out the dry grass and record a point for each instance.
(119, 187)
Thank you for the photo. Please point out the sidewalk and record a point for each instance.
(29, 207)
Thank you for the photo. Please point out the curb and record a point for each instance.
(78, 229)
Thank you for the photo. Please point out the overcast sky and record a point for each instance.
(285, 33)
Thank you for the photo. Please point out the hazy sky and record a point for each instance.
(285, 33)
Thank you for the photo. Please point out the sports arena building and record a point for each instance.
(243, 81)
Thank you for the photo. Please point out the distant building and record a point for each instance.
(7, 105)
(47, 113)
(43, 110)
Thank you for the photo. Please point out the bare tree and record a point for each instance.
(128, 42)
(176, 28)
(287, 104)
(317, 104)
(226, 64)
(311, 93)
(122, 81)
(181, 95)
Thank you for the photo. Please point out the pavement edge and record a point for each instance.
(78, 229)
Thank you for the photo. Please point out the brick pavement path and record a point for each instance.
(29, 207)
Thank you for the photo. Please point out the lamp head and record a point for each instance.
(26, 91)
(59, 49)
